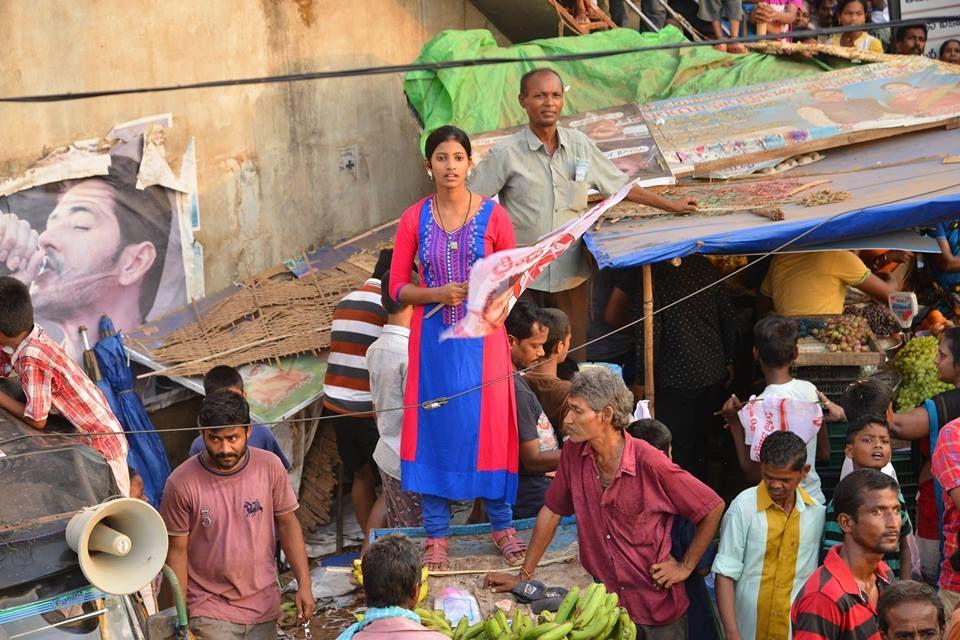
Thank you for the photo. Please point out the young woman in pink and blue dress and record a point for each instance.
(467, 447)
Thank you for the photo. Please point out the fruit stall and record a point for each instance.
(561, 601)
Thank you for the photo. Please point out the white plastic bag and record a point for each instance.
(761, 417)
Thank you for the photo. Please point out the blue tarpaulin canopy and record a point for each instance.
(896, 183)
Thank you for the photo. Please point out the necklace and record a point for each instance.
(452, 244)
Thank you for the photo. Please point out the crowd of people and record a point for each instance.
(554, 441)
(512, 424)
(723, 19)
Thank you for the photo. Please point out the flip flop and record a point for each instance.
(509, 544)
(435, 554)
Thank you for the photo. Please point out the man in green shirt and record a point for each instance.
(543, 175)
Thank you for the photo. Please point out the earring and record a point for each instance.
(430, 174)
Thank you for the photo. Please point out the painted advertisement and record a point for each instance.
(732, 127)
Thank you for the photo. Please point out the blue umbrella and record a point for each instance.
(93, 372)
(147, 455)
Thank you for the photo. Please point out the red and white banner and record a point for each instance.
(497, 280)
(760, 418)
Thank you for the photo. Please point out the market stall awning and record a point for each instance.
(895, 184)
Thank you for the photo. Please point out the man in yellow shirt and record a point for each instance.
(806, 284)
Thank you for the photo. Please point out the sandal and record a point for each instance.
(435, 554)
(509, 544)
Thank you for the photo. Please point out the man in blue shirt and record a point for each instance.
(261, 437)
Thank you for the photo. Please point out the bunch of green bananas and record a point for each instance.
(590, 615)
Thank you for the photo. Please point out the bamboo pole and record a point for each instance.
(648, 336)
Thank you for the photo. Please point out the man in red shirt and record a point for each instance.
(840, 598)
(223, 509)
(625, 494)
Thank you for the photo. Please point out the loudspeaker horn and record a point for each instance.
(121, 544)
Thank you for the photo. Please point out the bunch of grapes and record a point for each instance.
(850, 334)
(920, 381)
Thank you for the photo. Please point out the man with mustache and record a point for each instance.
(543, 175)
(910, 41)
(101, 253)
(840, 598)
(223, 509)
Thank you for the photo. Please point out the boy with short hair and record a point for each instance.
(868, 397)
(544, 379)
(539, 447)
(868, 446)
(775, 348)
(261, 437)
(53, 382)
(768, 544)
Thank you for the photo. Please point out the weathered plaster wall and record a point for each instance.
(268, 155)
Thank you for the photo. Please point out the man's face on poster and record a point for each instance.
(84, 259)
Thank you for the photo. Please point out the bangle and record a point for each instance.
(526, 575)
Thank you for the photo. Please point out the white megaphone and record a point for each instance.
(121, 544)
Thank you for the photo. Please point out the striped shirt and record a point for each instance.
(770, 555)
(831, 604)
(358, 320)
(833, 535)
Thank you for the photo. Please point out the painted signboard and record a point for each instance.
(714, 130)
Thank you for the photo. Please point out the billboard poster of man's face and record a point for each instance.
(95, 246)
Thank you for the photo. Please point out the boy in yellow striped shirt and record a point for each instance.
(769, 542)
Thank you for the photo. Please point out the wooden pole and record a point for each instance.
(648, 336)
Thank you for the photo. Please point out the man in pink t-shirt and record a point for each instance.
(223, 509)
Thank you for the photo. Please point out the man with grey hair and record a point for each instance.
(625, 495)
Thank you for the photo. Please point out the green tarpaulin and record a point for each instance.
(479, 99)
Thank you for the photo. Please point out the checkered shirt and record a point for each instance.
(52, 381)
(946, 469)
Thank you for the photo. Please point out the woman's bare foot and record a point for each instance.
(737, 47)
(720, 47)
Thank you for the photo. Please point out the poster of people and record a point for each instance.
(713, 130)
(619, 132)
(88, 242)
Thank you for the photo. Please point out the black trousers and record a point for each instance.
(697, 433)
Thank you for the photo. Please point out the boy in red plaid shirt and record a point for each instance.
(53, 382)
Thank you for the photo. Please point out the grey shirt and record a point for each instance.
(542, 192)
(387, 363)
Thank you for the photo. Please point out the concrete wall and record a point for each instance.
(267, 155)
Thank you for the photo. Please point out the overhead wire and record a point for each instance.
(454, 64)
(440, 401)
